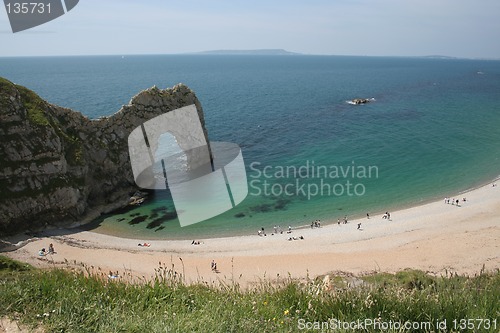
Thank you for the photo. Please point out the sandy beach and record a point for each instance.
(435, 237)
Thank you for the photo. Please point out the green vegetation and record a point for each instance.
(64, 301)
(35, 107)
(6, 89)
(8, 266)
(38, 114)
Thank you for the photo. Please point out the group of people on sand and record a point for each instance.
(112, 275)
(277, 230)
(454, 201)
(315, 224)
(144, 244)
(44, 252)
(344, 220)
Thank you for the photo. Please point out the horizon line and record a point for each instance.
(241, 52)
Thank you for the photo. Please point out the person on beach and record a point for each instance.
(458, 201)
(213, 265)
(367, 216)
(42, 252)
(359, 226)
(338, 221)
(112, 275)
(51, 249)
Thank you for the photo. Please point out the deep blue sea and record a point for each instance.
(433, 129)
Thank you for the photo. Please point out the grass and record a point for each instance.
(35, 107)
(8, 265)
(70, 301)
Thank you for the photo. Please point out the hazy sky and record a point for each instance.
(462, 28)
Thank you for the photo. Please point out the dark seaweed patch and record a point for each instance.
(281, 204)
(263, 208)
(159, 209)
(239, 215)
(157, 222)
(138, 220)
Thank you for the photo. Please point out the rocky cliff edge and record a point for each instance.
(60, 168)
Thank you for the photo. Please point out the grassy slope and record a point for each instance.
(63, 301)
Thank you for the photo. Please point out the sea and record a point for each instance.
(431, 129)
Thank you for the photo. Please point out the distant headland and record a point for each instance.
(249, 52)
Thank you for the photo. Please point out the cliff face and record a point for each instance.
(57, 167)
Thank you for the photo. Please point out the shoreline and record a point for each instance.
(432, 237)
(325, 221)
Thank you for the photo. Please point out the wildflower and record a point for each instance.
(286, 312)
(369, 302)
(265, 303)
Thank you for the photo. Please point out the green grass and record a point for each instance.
(8, 266)
(35, 107)
(64, 301)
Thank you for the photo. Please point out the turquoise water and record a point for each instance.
(432, 131)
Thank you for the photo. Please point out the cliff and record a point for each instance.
(60, 168)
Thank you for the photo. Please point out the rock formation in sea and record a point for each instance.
(60, 168)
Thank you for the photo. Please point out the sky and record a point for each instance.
(459, 28)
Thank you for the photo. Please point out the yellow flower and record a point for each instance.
(286, 312)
